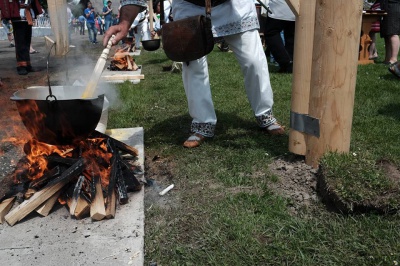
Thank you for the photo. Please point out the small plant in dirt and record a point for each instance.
(355, 183)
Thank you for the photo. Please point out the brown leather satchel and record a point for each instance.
(190, 38)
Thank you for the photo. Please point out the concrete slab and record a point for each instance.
(61, 240)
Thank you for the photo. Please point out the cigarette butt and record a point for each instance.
(162, 193)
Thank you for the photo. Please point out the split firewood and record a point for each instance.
(5, 207)
(76, 194)
(128, 60)
(111, 204)
(29, 193)
(41, 196)
(97, 208)
(47, 206)
(82, 208)
(111, 196)
(35, 201)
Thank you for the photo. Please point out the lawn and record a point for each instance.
(206, 219)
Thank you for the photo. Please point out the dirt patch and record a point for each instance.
(296, 182)
(159, 175)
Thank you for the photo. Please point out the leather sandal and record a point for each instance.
(394, 69)
(195, 140)
(275, 129)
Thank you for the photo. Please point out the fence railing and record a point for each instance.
(42, 22)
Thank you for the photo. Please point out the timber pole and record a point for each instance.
(303, 50)
(59, 25)
(333, 78)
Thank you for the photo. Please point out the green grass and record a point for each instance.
(221, 211)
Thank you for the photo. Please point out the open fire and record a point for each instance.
(90, 178)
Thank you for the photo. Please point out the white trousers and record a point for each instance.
(249, 52)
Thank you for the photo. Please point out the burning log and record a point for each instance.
(5, 206)
(88, 178)
(119, 145)
(123, 61)
(40, 182)
(97, 208)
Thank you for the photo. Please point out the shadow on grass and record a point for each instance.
(392, 110)
(231, 132)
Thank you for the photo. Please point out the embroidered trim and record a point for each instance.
(141, 3)
(246, 24)
(266, 119)
(205, 129)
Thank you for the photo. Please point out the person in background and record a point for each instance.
(375, 28)
(22, 29)
(90, 23)
(157, 12)
(390, 30)
(281, 19)
(237, 22)
(82, 20)
(108, 15)
(100, 23)
(9, 31)
(140, 27)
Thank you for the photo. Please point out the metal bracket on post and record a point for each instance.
(304, 123)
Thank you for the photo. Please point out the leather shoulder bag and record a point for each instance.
(190, 38)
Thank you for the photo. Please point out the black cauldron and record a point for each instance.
(64, 118)
(151, 45)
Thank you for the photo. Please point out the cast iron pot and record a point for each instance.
(61, 118)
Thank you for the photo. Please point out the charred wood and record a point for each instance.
(132, 184)
(56, 159)
(47, 176)
(70, 173)
(121, 187)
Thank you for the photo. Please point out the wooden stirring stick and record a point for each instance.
(98, 69)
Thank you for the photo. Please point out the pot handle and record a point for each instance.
(48, 76)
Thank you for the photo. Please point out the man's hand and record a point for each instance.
(128, 14)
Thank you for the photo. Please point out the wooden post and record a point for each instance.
(59, 25)
(333, 79)
(303, 49)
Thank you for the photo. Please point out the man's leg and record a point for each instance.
(249, 52)
(201, 108)
(22, 37)
(90, 31)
